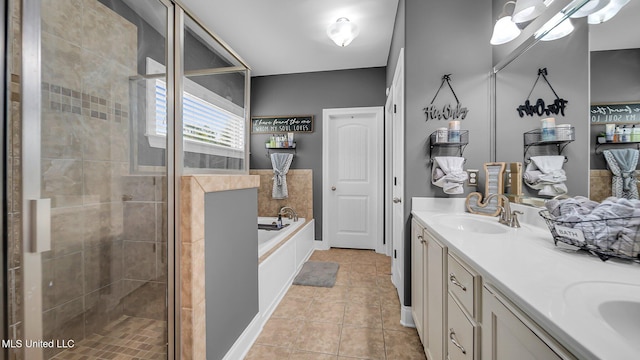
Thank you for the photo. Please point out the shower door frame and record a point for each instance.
(31, 179)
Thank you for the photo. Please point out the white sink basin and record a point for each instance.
(471, 223)
(607, 303)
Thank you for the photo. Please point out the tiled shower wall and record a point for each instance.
(109, 250)
(299, 186)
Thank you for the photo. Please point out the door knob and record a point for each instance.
(397, 200)
(333, 188)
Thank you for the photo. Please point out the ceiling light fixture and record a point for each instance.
(505, 29)
(607, 12)
(557, 27)
(342, 32)
(527, 10)
(588, 8)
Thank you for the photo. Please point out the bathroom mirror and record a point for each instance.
(567, 63)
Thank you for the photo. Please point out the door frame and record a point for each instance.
(388, 173)
(378, 112)
(399, 270)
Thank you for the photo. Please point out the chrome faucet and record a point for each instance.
(507, 217)
(287, 211)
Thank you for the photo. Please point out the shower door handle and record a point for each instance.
(40, 225)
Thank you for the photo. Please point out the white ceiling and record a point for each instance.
(621, 32)
(289, 36)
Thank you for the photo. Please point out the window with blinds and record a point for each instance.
(211, 124)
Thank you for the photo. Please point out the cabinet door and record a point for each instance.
(506, 337)
(417, 277)
(435, 310)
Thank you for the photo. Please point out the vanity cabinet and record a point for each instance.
(428, 290)
(460, 317)
(508, 334)
(418, 285)
(435, 298)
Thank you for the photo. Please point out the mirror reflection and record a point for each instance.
(593, 64)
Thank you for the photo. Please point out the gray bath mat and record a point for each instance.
(317, 273)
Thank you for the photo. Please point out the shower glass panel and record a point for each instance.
(104, 281)
(214, 111)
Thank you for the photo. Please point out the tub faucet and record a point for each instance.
(507, 217)
(285, 210)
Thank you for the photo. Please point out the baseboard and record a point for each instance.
(406, 319)
(242, 346)
(321, 244)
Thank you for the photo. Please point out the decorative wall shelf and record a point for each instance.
(560, 138)
(270, 148)
(464, 141)
(628, 144)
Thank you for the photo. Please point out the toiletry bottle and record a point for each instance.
(279, 223)
(617, 135)
(626, 134)
(635, 134)
(273, 141)
(610, 132)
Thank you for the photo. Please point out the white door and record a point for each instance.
(352, 177)
(397, 221)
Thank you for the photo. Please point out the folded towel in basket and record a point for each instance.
(576, 206)
(611, 225)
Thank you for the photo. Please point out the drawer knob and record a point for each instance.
(454, 281)
(454, 341)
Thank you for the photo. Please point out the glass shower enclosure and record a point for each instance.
(117, 100)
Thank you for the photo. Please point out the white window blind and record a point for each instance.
(211, 124)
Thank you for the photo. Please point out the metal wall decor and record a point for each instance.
(447, 112)
(540, 108)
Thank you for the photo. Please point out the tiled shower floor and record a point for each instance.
(359, 318)
(127, 338)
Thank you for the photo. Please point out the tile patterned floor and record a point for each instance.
(359, 318)
(127, 338)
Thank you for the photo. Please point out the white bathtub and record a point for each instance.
(267, 239)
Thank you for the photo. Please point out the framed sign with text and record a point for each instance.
(615, 113)
(281, 124)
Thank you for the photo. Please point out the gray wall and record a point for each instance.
(309, 93)
(567, 62)
(443, 37)
(615, 77)
(231, 265)
(397, 42)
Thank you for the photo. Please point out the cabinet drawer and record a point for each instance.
(460, 333)
(462, 284)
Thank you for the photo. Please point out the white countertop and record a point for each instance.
(525, 266)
